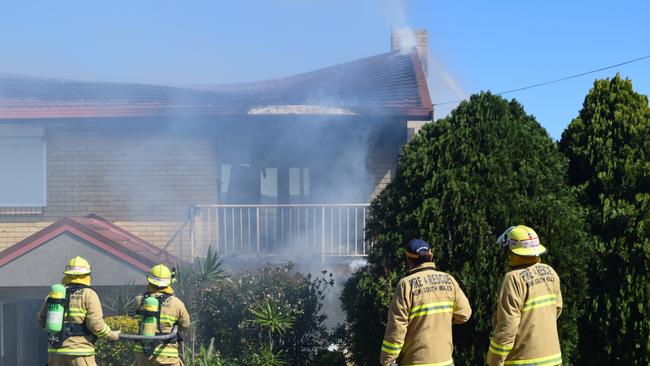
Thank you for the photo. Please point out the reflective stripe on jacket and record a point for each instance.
(425, 304)
(172, 311)
(525, 321)
(84, 308)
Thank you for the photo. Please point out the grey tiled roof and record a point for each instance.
(390, 83)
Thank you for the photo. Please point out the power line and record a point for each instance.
(555, 81)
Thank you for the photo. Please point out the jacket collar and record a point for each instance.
(425, 265)
(157, 290)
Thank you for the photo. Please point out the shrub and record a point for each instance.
(206, 356)
(330, 358)
(226, 317)
(117, 353)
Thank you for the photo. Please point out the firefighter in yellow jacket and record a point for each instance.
(425, 304)
(171, 312)
(83, 321)
(529, 303)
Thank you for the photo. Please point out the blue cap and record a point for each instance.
(417, 247)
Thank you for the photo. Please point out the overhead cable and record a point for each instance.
(556, 80)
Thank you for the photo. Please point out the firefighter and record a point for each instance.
(425, 304)
(171, 311)
(528, 306)
(82, 319)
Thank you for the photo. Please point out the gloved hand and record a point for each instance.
(113, 336)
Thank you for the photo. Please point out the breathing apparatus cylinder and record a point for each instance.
(55, 309)
(149, 322)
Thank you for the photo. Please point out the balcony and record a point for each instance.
(326, 230)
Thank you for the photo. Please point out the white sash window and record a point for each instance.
(22, 167)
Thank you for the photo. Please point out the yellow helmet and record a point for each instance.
(160, 276)
(77, 266)
(522, 240)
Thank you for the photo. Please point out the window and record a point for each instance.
(298, 185)
(269, 185)
(22, 167)
(250, 184)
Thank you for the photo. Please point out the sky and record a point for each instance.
(474, 45)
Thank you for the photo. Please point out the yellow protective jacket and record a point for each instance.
(425, 304)
(84, 308)
(525, 329)
(172, 311)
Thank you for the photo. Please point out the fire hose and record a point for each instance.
(138, 337)
(172, 335)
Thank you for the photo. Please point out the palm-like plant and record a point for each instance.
(277, 320)
(272, 316)
(266, 357)
(210, 268)
(121, 301)
(203, 273)
(194, 278)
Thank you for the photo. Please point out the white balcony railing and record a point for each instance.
(280, 230)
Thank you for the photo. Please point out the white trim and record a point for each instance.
(21, 131)
(289, 205)
(2, 330)
(44, 203)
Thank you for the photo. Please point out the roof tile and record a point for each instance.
(391, 83)
(99, 232)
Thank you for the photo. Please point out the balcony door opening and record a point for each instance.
(246, 184)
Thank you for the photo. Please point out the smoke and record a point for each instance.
(300, 109)
(407, 40)
(145, 173)
(444, 85)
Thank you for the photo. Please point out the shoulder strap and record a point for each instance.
(144, 297)
(139, 310)
(69, 290)
(162, 298)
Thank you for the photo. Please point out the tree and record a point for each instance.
(608, 147)
(460, 182)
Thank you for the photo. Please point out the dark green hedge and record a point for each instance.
(460, 182)
(608, 146)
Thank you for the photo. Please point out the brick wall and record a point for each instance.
(144, 182)
(383, 157)
(413, 127)
(382, 164)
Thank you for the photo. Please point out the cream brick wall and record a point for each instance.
(143, 181)
(383, 158)
(382, 165)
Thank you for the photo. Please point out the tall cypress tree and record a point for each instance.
(608, 146)
(460, 182)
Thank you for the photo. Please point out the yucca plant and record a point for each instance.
(192, 279)
(266, 357)
(276, 319)
(121, 301)
(203, 356)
